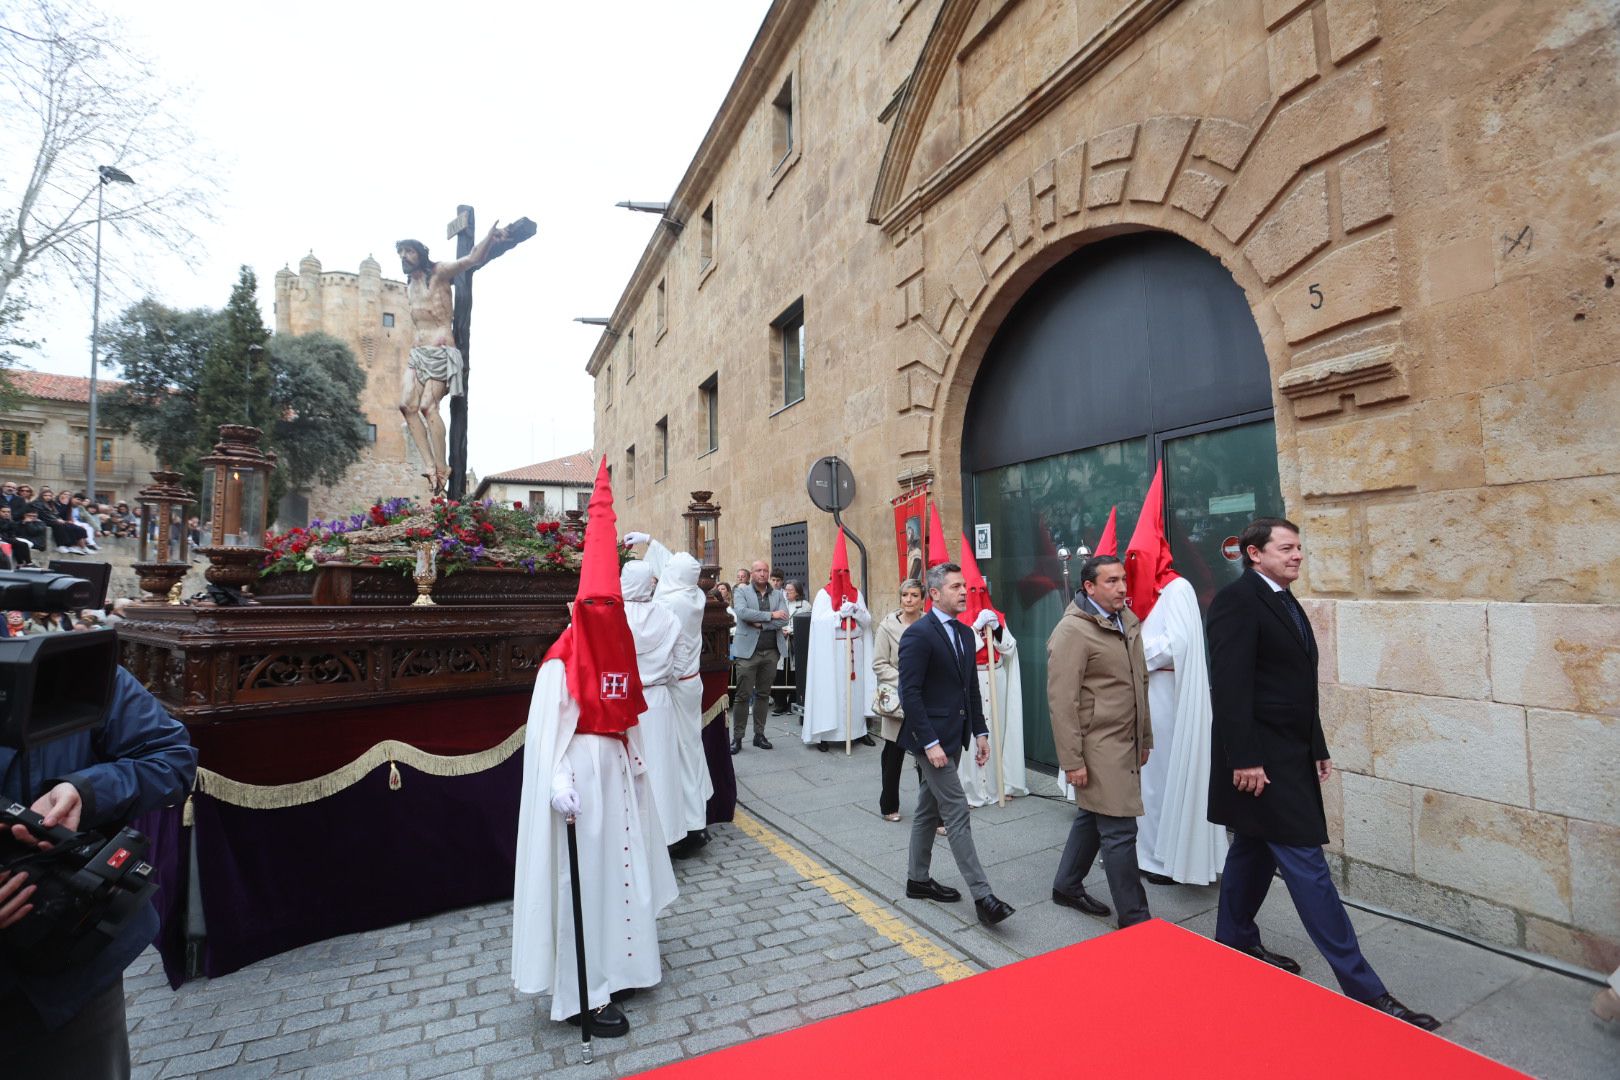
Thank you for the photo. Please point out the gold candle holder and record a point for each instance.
(427, 571)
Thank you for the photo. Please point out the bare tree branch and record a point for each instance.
(72, 99)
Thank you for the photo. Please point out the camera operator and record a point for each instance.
(71, 1023)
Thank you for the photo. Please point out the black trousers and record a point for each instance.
(94, 1045)
(1115, 837)
(894, 759)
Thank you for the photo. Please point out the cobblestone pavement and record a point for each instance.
(752, 946)
(792, 915)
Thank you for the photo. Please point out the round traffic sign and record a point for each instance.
(831, 484)
(1231, 550)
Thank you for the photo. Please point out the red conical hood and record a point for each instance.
(597, 648)
(839, 586)
(1107, 543)
(1147, 556)
(936, 537)
(978, 594)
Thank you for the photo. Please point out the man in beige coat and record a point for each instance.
(1096, 688)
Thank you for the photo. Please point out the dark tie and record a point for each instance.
(1296, 613)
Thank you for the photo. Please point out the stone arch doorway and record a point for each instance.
(1134, 348)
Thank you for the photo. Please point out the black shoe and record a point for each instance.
(992, 911)
(866, 740)
(1157, 879)
(606, 1023)
(822, 746)
(763, 743)
(931, 890)
(1287, 963)
(1084, 902)
(736, 747)
(1386, 1003)
(622, 995)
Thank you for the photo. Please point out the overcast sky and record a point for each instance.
(342, 127)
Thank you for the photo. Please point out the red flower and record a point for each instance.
(517, 504)
(374, 560)
(487, 527)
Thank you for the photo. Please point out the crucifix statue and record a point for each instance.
(438, 363)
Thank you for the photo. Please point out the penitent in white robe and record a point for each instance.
(679, 593)
(624, 870)
(662, 652)
(1174, 836)
(827, 685)
(979, 781)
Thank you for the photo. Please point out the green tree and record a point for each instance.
(319, 429)
(161, 351)
(12, 309)
(234, 387)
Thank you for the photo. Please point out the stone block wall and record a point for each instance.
(1419, 201)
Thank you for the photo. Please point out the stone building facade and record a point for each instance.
(43, 439)
(1412, 210)
(367, 312)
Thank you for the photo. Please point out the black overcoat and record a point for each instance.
(1263, 690)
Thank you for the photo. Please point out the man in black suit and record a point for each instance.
(939, 694)
(1269, 761)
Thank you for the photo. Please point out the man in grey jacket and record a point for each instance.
(761, 615)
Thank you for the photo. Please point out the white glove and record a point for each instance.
(565, 802)
(631, 539)
(847, 610)
(986, 618)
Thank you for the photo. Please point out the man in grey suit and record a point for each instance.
(761, 615)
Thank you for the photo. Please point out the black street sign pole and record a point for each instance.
(461, 230)
(832, 502)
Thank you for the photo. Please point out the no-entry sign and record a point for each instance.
(1230, 549)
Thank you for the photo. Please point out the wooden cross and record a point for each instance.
(461, 230)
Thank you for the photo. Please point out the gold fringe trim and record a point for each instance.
(389, 752)
(721, 706)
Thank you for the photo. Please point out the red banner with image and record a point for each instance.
(911, 532)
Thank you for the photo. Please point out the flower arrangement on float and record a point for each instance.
(479, 533)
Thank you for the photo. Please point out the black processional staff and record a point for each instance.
(579, 942)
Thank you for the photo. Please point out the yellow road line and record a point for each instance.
(879, 918)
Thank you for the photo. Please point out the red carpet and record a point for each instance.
(1151, 1001)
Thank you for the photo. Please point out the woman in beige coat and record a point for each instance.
(886, 666)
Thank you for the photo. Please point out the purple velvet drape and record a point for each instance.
(171, 863)
(364, 858)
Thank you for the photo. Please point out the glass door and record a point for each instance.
(1217, 481)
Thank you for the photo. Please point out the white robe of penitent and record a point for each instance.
(625, 876)
(679, 593)
(979, 781)
(835, 707)
(1174, 836)
(661, 654)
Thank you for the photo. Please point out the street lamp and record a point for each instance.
(108, 175)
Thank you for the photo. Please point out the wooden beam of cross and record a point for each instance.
(461, 230)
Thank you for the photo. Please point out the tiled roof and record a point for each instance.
(575, 470)
(44, 385)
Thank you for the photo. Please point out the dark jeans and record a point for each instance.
(1116, 838)
(1250, 862)
(94, 1045)
(754, 676)
(894, 759)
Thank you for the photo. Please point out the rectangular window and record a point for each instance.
(789, 332)
(709, 398)
(782, 127)
(388, 318)
(607, 386)
(537, 501)
(104, 450)
(706, 238)
(371, 434)
(629, 355)
(14, 449)
(582, 499)
(661, 446)
(663, 310)
(629, 480)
